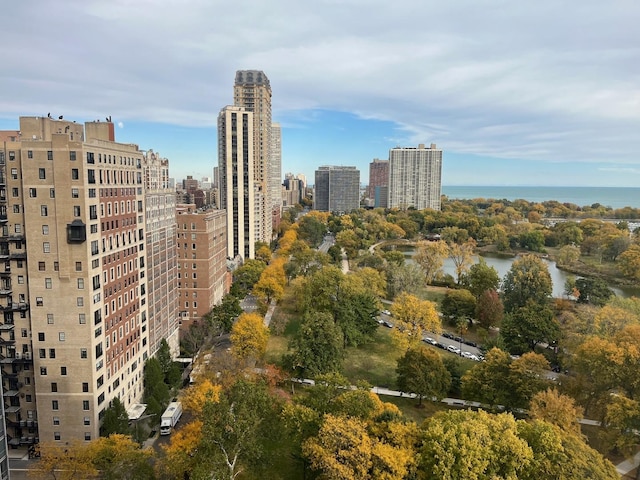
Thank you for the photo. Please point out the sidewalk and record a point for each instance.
(629, 464)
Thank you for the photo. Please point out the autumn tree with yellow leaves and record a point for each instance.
(249, 337)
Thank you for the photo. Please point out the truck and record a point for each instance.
(170, 417)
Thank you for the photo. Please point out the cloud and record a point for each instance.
(120, 125)
(531, 80)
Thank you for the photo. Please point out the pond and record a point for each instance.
(502, 264)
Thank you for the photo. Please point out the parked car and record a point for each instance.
(448, 335)
(387, 324)
(453, 349)
(429, 340)
(386, 312)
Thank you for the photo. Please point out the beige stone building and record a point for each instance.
(202, 261)
(415, 177)
(74, 286)
(162, 264)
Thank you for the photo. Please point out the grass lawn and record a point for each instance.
(374, 362)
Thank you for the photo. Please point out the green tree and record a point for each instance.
(170, 370)
(318, 347)
(458, 304)
(407, 278)
(473, 446)
(480, 278)
(119, 457)
(156, 392)
(528, 326)
(593, 290)
(237, 428)
(115, 419)
(224, 314)
(527, 280)
(311, 230)
(532, 240)
(422, 372)
(246, 276)
(489, 309)
(568, 255)
(485, 382)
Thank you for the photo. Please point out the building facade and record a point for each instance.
(202, 261)
(235, 169)
(378, 182)
(337, 189)
(73, 290)
(275, 175)
(252, 91)
(162, 266)
(415, 177)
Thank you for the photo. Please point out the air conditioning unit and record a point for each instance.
(27, 356)
(18, 355)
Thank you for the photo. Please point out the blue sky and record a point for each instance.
(515, 93)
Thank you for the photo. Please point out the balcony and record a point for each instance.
(5, 290)
(18, 256)
(15, 307)
(6, 327)
(11, 393)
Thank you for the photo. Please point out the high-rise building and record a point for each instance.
(275, 175)
(378, 182)
(190, 184)
(162, 267)
(202, 259)
(235, 168)
(252, 91)
(292, 191)
(74, 290)
(415, 177)
(337, 189)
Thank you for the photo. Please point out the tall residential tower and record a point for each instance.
(415, 177)
(337, 189)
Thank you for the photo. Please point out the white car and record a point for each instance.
(453, 349)
(429, 340)
(386, 312)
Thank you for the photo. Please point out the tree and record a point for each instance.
(422, 372)
(557, 409)
(263, 253)
(180, 455)
(485, 382)
(413, 317)
(249, 337)
(224, 314)
(318, 347)
(568, 255)
(528, 326)
(532, 240)
(527, 377)
(170, 370)
(430, 256)
(156, 392)
(462, 256)
(458, 304)
(528, 279)
(480, 278)
(195, 397)
(342, 449)
(119, 457)
(246, 276)
(473, 446)
(489, 309)
(593, 290)
(356, 315)
(272, 280)
(311, 230)
(629, 262)
(236, 429)
(64, 462)
(115, 419)
(403, 278)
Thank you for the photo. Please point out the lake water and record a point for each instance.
(502, 265)
(614, 197)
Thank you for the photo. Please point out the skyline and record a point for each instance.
(533, 94)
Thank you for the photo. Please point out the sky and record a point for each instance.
(515, 93)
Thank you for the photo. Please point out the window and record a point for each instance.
(14, 173)
(61, 336)
(33, 193)
(50, 318)
(87, 421)
(16, 209)
(41, 174)
(45, 229)
(54, 405)
(85, 387)
(93, 212)
(75, 193)
(80, 283)
(74, 174)
(54, 387)
(63, 370)
(85, 404)
(80, 301)
(72, 155)
(76, 210)
(56, 421)
(42, 353)
(78, 266)
(41, 266)
(52, 193)
(43, 371)
(49, 154)
(39, 302)
(20, 279)
(46, 247)
(52, 353)
(41, 336)
(87, 436)
(82, 319)
(48, 284)
(83, 353)
(29, 153)
(24, 333)
(28, 399)
(56, 436)
(15, 192)
(56, 266)
(44, 210)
